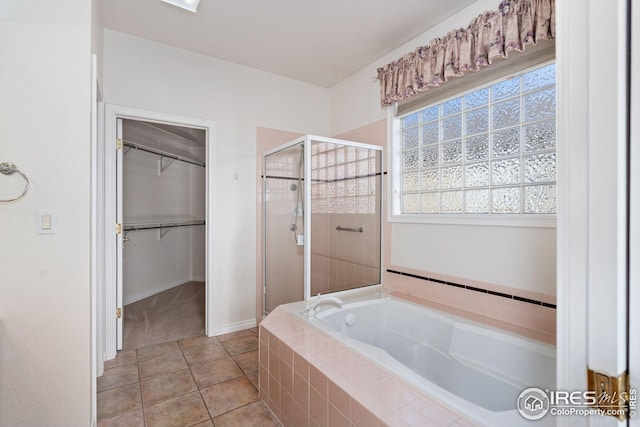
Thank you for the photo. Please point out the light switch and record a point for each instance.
(47, 222)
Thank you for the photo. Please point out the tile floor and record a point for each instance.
(196, 381)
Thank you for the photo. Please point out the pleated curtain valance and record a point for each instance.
(492, 35)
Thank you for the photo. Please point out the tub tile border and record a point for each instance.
(474, 289)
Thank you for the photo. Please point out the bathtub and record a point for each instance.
(477, 370)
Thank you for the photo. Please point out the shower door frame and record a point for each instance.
(305, 141)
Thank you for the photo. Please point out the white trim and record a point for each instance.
(113, 112)
(634, 226)
(235, 327)
(572, 232)
(94, 358)
(494, 220)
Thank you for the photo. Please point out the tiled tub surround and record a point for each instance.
(526, 313)
(306, 376)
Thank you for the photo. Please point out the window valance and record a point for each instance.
(492, 35)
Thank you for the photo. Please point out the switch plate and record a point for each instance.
(47, 222)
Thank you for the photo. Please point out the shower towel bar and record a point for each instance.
(357, 230)
(7, 168)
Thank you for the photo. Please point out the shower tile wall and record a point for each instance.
(344, 192)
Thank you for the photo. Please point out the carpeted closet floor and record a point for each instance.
(174, 314)
(170, 374)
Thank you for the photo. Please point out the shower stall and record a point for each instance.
(322, 218)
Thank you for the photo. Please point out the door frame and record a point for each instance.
(592, 183)
(112, 114)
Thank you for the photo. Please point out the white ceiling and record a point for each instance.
(317, 41)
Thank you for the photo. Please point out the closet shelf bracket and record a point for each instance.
(165, 164)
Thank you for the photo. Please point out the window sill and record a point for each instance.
(510, 220)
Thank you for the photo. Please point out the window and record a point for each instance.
(490, 152)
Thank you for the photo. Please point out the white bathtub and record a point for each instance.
(476, 370)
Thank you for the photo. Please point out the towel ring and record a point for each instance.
(7, 168)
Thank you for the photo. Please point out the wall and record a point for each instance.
(153, 264)
(519, 258)
(150, 76)
(44, 279)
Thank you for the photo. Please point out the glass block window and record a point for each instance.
(344, 179)
(491, 151)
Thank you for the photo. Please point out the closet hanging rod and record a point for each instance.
(158, 226)
(163, 154)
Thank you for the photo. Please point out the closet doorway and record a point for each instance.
(160, 282)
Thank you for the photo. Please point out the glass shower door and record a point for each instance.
(283, 205)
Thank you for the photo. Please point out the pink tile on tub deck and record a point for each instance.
(301, 366)
(425, 412)
(300, 391)
(318, 380)
(317, 407)
(286, 408)
(385, 396)
(462, 422)
(392, 420)
(361, 377)
(536, 317)
(339, 398)
(286, 377)
(525, 332)
(499, 308)
(362, 417)
(337, 418)
(286, 353)
(300, 416)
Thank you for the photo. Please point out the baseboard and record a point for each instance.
(198, 279)
(237, 326)
(149, 292)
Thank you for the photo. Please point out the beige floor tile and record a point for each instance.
(184, 410)
(204, 353)
(119, 400)
(229, 395)
(118, 376)
(169, 362)
(122, 358)
(208, 374)
(241, 344)
(242, 333)
(248, 361)
(253, 415)
(253, 377)
(129, 419)
(156, 350)
(197, 341)
(167, 386)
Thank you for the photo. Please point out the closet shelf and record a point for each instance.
(161, 225)
(162, 154)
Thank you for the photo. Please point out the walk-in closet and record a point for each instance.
(163, 211)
